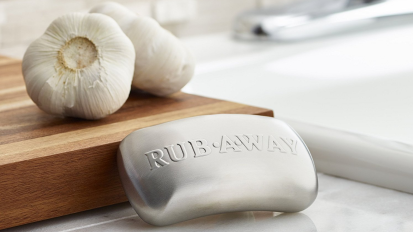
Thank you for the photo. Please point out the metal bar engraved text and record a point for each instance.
(200, 148)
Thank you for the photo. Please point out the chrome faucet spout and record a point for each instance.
(311, 19)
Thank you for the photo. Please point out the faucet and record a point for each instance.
(314, 18)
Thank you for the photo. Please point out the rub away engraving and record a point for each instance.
(200, 147)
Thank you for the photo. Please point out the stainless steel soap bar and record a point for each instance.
(213, 164)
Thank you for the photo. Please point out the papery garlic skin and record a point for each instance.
(82, 66)
(163, 64)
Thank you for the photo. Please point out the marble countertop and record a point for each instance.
(341, 205)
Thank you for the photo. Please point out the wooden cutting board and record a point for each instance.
(52, 166)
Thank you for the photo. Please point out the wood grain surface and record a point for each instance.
(52, 166)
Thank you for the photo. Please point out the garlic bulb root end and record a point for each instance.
(78, 53)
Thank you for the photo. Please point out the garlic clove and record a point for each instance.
(82, 66)
(163, 64)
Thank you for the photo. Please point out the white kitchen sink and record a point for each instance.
(350, 98)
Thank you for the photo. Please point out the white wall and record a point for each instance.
(22, 21)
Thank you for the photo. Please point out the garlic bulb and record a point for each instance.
(82, 66)
(163, 64)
